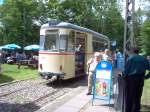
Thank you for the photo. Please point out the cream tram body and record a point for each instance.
(58, 44)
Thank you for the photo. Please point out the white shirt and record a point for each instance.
(105, 57)
(93, 63)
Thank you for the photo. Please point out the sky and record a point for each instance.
(123, 5)
(1, 1)
(138, 3)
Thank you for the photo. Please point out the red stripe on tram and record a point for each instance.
(47, 53)
(64, 53)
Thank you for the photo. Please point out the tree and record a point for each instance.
(110, 21)
(18, 21)
(73, 11)
(21, 19)
(103, 16)
(144, 36)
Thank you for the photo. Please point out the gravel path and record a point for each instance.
(16, 86)
(31, 95)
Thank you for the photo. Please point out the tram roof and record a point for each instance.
(72, 26)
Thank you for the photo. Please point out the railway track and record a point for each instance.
(13, 82)
(38, 94)
(20, 89)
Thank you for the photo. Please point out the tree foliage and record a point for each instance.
(103, 16)
(144, 32)
(21, 19)
(17, 19)
(145, 38)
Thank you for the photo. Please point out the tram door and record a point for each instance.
(80, 54)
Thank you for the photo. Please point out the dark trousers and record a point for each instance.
(133, 92)
(120, 97)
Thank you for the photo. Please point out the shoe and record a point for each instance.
(88, 93)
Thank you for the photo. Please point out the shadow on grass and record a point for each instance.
(145, 108)
(7, 107)
(4, 79)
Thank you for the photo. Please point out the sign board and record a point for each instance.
(113, 43)
(102, 81)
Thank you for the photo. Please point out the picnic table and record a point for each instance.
(29, 63)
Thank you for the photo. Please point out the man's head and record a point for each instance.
(107, 51)
(134, 50)
(97, 56)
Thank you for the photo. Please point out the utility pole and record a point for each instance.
(0, 61)
(129, 27)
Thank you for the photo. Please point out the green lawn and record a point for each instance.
(11, 73)
(146, 96)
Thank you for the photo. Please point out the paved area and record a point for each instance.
(83, 103)
(75, 104)
(80, 102)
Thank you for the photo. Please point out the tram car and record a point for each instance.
(65, 49)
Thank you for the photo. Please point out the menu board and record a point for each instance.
(102, 81)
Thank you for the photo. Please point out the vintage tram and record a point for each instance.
(65, 49)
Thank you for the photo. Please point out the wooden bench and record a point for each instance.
(35, 65)
(23, 62)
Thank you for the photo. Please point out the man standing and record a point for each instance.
(92, 63)
(134, 73)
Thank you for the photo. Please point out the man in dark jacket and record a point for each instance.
(134, 74)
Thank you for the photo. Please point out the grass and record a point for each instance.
(11, 73)
(145, 101)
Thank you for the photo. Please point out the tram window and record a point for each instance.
(71, 41)
(95, 46)
(63, 42)
(51, 42)
(42, 40)
(98, 45)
